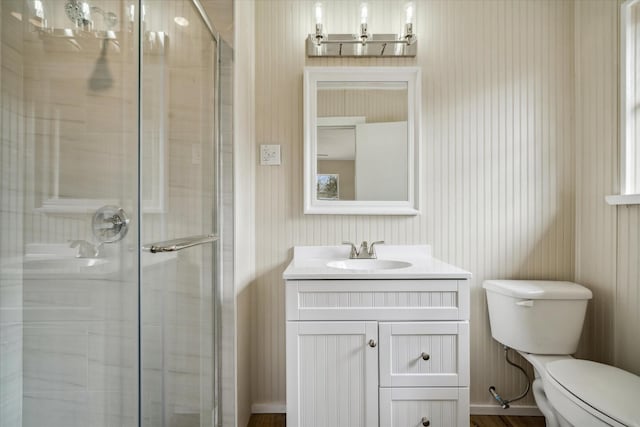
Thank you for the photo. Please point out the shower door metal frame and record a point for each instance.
(210, 238)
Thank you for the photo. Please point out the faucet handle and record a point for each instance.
(372, 250)
(354, 251)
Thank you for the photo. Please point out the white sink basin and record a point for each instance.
(368, 264)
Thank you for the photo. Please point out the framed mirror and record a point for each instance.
(361, 140)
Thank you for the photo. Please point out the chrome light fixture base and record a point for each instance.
(359, 45)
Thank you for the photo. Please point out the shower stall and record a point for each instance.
(115, 134)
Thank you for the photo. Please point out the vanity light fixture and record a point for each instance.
(363, 43)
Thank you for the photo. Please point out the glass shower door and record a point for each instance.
(178, 317)
(107, 144)
(69, 146)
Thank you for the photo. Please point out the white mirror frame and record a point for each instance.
(410, 75)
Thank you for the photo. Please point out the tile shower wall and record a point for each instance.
(79, 332)
(11, 210)
(498, 158)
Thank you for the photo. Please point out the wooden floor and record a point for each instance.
(278, 420)
(505, 421)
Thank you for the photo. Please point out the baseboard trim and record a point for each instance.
(269, 408)
(518, 410)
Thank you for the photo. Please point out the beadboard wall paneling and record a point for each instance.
(627, 303)
(498, 159)
(376, 105)
(596, 45)
(607, 237)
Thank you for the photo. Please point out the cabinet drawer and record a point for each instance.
(419, 354)
(415, 407)
(377, 300)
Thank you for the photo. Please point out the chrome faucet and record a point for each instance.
(86, 249)
(365, 251)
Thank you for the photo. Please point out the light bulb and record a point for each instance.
(318, 13)
(86, 9)
(409, 13)
(364, 13)
(37, 5)
(408, 27)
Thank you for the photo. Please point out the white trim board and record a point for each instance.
(518, 410)
(623, 199)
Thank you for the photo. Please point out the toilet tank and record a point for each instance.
(537, 316)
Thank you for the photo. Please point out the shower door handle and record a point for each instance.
(179, 244)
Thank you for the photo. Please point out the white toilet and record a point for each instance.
(543, 320)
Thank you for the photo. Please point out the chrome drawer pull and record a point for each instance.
(426, 422)
(425, 356)
(372, 343)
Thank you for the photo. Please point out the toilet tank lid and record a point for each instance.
(538, 289)
(609, 390)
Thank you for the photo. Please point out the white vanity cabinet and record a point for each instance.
(367, 350)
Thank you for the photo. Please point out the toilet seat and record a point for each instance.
(607, 393)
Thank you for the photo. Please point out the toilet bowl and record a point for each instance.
(543, 320)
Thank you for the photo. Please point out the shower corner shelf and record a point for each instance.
(62, 206)
(73, 206)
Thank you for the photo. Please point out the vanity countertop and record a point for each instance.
(310, 263)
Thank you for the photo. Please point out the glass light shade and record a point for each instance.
(318, 13)
(364, 13)
(408, 24)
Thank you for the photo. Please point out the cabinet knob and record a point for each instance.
(372, 343)
(426, 422)
(425, 356)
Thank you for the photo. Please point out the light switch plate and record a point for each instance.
(269, 155)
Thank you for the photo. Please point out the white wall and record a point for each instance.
(244, 161)
(498, 139)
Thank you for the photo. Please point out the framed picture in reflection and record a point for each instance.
(328, 186)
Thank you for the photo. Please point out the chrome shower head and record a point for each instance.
(79, 12)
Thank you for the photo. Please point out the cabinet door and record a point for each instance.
(332, 374)
(424, 354)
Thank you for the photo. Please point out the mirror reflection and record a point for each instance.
(362, 141)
